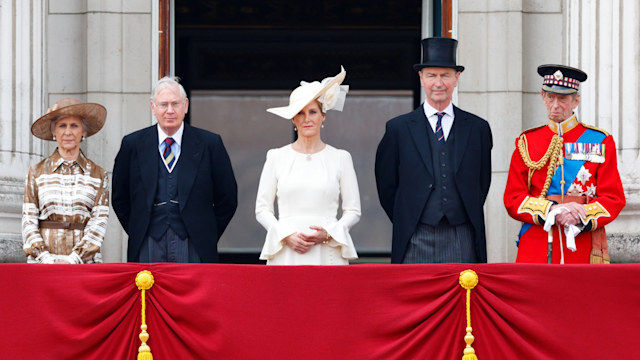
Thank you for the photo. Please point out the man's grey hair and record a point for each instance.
(167, 82)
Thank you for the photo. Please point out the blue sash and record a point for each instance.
(523, 229)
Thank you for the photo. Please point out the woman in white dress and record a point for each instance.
(308, 178)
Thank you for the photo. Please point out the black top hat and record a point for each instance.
(439, 52)
(561, 79)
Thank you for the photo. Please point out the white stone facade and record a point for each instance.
(104, 51)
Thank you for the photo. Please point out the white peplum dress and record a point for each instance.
(308, 189)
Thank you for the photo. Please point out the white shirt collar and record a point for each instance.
(447, 119)
(429, 111)
(177, 137)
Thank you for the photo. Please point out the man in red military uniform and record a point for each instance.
(563, 181)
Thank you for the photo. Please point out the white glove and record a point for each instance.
(570, 232)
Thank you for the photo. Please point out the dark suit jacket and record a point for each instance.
(404, 173)
(207, 190)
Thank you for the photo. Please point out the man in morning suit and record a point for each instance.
(433, 169)
(174, 191)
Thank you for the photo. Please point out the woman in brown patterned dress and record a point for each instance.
(66, 200)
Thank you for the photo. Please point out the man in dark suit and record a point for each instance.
(433, 169)
(174, 191)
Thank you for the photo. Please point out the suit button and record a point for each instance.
(444, 175)
(444, 188)
(430, 186)
(444, 199)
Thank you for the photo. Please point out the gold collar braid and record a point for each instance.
(555, 148)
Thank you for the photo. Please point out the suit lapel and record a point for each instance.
(418, 129)
(190, 155)
(148, 156)
(462, 128)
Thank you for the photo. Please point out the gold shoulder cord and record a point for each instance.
(555, 148)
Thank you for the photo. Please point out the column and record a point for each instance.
(118, 76)
(604, 40)
(490, 48)
(21, 87)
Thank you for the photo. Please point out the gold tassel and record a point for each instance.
(596, 257)
(144, 281)
(468, 280)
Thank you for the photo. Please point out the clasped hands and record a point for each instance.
(573, 215)
(302, 242)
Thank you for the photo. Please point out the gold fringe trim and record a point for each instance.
(598, 257)
(468, 280)
(595, 257)
(144, 281)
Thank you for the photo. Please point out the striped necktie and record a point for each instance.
(439, 132)
(168, 155)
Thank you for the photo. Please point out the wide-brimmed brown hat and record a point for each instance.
(92, 114)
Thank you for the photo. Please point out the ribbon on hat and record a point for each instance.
(334, 97)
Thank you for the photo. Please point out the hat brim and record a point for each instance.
(418, 67)
(289, 111)
(92, 114)
(557, 89)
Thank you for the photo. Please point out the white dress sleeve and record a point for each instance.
(350, 194)
(265, 213)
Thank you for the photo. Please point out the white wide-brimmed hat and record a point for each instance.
(92, 114)
(329, 93)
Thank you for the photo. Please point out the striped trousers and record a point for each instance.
(168, 248)
(443, 243)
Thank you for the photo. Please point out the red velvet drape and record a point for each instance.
(519, 311)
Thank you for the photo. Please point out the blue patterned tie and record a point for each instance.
(439, 132)
(169, 157)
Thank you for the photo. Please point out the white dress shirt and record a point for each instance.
(175, 148)
(447, 119)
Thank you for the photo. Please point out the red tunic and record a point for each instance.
(590, 169)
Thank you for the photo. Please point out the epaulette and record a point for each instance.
(532, 129)
(595, 128)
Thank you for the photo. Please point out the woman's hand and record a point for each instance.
(320, 235)
(298, 244)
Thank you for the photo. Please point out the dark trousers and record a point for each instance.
(444, 243)
(168, 248)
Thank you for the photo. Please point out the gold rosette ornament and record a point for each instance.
(468, 280)
(144, 281)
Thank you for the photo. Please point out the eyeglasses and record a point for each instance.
(165, 105)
